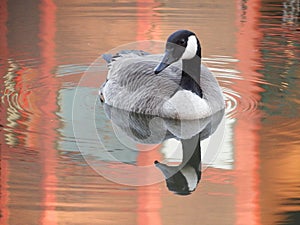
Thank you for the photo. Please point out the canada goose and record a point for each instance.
(173, 85)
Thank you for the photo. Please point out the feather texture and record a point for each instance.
(132, 85)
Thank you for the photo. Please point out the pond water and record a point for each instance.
(68, 159)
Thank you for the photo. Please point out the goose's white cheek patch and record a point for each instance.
(191, 48)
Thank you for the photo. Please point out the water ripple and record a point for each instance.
(231, 101)
(223, 68)
(10, 96)
(242, 93)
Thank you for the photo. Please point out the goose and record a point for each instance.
(173, 85)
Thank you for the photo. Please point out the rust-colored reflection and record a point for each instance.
(280, 151)
(149, 197)
(148, 21)
(30, 125)
(42, 183)
(280, 171)
(4, 195)
(50, 120)
(248, 121)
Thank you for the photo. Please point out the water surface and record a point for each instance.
(46, 49)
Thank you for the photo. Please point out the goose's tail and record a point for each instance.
(107, 57)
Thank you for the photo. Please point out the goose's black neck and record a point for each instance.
(192, 153)
(191, 70)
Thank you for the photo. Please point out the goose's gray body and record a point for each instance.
(133, 86)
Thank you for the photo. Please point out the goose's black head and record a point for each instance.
(182, 44)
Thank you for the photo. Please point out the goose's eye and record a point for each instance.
(181, 42)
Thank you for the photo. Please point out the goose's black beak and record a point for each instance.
(168, 171)
(167, 60)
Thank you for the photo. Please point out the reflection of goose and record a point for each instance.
(140, 128)
(147, 129)
(136, 83)
(183, 179)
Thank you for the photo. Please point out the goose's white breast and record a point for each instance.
(185, 104)
(191, 177)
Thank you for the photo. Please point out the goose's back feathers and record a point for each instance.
(110, 59)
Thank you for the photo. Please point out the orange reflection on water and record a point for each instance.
(50, 121)
(248, 122)
(31, 104)
(4, 195)
(149, 197)
(235, 196)
(148, 21)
